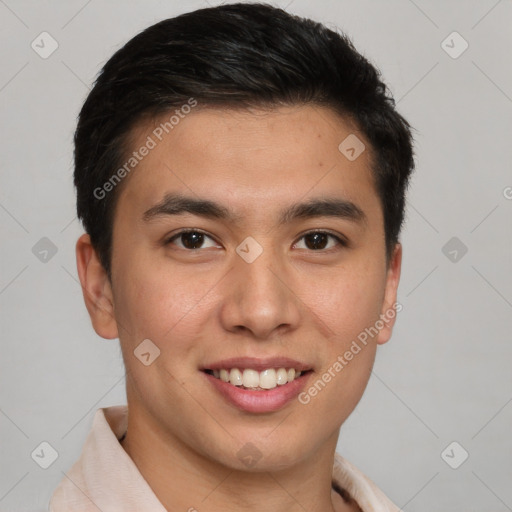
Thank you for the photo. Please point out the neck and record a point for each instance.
(183, 479)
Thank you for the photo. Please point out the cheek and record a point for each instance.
(350, 306)
(346, 302)
(158, 305)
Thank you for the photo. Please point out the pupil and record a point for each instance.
(192, 240)
(318, 239)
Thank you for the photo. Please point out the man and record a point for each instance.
(240, 175)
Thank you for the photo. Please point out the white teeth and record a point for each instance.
(268, 379)
(235, 377)
(251, 379)
(282, 376)
(248, 378)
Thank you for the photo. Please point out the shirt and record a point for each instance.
(105, 478)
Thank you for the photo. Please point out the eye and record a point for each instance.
(191, 239)
(317, 240)
(194, 239)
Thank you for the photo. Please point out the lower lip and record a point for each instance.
(259, 401)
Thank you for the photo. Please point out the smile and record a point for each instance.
(257, 385)
(255, 380)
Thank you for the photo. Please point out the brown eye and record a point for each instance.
(319, 240)
(190, 239)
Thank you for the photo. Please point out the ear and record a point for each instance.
(390, 308)
(96, 288)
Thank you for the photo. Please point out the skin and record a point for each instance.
(204, 305)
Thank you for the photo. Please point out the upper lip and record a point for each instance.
(258, 364)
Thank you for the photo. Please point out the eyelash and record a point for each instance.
(341, 241)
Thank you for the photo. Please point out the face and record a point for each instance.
(282, 269)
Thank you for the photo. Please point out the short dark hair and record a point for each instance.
(234, 56)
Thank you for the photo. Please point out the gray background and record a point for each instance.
(446, 374)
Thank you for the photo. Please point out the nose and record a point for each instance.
(259, 298)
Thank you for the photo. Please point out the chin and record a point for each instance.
(259, 453)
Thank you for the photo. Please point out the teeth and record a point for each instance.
(235, 377)
(268, 379)
(282, 376)
(248, 378)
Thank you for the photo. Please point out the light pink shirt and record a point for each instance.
(106, 479)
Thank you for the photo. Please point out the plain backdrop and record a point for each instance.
(444, 378)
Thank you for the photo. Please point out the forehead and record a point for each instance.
(253, 160)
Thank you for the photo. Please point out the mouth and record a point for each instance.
(254, 380)
(257, 385)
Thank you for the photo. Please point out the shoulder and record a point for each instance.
(359, 488)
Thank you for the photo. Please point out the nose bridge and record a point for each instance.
(257, 297)
(261, 276)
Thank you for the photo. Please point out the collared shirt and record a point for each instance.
(106, 479)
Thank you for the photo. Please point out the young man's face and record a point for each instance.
(255, 291)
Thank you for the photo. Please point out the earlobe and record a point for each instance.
(96, 289)
(390, 307)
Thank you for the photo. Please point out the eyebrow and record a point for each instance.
(177, 204)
